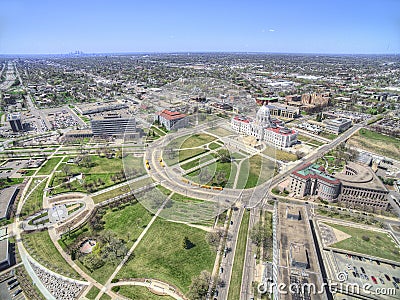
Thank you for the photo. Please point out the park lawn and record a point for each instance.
(185, 199)
(7, 182)
(101, 165)
(214, 146)
(94, 291)
(220, 131)
(259, 170)
(376, 142)
(34, 202)
(186, 154)
(131, 220)
(164, 190)
(29, 172)
(49, 166)
(128, 222)
(111, 194)
(197, 140)
(379, 244)
(160, 255)
(237, 268)
(213, 169)
(105, 297)
(157, 131)
(279, 154)
(196, 162)
(140, 293)
(41, 247)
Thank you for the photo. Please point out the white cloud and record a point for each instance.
(271, 30)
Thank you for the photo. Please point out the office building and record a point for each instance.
(337, 126)
(15, 121)
(114, 125)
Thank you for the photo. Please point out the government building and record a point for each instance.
(356, 186)
(265, 128)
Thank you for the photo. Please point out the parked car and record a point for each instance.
(374, 279)
(387, 277)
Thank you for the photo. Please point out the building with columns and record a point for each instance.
(265, 128)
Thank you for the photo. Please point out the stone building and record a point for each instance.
(311, 179)
(362, 188)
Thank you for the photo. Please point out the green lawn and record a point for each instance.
(41, 247)
(7, 182)
(197, 140)
(279, 154)
(49, 166)
(184, 199)
(229, 169)
(140, 293)
(101, 174)
(220, 131)
(160, 255)
(197, 161)
(94, 291)
(255, 171)
(111, 194)
(368, 242)
(376, 142)
(34, 202)
(214, 146)
(237, 268)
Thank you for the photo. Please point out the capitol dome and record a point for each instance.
(263, 115)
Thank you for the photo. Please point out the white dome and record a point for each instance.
(263, 116)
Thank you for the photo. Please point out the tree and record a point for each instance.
(214, 238)
(187, 244)
(67, 170)
(199, 287)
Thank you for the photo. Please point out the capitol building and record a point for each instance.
(265, 128)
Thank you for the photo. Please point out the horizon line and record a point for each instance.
(80, 53)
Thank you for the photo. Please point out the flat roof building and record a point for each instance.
(15, 122)
(337, 126)
(299, 256)
(7, 198)
(114, 125)
(362, 188)
(4, 254)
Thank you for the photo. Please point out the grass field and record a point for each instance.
(255, 171)
(196, 162)
(376, 142)
(34, 202)
(100, 175)
(49, 165)
(367, 242)
(214, 146)
(279, 154)
(197, 140)
(140, 293)
(7, 182)
(94, 291)
(220, 131)
(41, 248)
(111, 194)
(160, 255)
(229, 169)
(237, 268)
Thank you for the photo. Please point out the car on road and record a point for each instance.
(387, 277)
(374, 280)
(362, 270)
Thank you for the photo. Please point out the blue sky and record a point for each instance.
(290, 26)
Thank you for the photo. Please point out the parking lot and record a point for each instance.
(10, 289)
(361, 270)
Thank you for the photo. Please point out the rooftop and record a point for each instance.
(360, 176)
(315, 171)
(171, 115)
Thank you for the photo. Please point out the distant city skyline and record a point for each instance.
(309, 26)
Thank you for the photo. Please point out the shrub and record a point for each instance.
(365, 238)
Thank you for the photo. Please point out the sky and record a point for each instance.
(285, 26)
